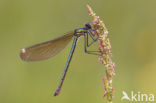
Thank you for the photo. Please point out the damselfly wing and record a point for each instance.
(46, 49)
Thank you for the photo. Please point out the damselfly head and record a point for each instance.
(88, 26)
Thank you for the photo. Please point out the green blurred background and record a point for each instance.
(131, 25)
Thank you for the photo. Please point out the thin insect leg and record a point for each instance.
(95, 52)
(90, 52)
(91, 29)
(85, 42)
(85, 45)
(66, 67)
(94, 40)
(87, 39)
(91, 35)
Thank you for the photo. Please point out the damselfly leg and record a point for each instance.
(89, 33)
(87, 44)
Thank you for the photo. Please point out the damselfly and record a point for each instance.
(51, 48)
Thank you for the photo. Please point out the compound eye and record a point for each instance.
(88, 26)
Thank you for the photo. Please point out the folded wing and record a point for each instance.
(46, 49)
